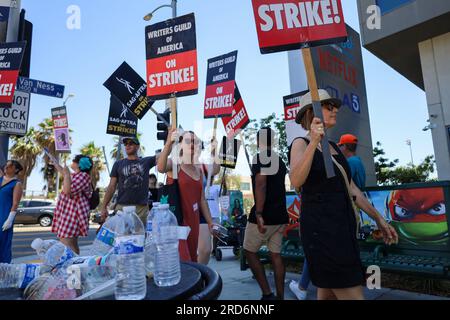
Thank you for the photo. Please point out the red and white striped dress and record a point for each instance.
(71, 217)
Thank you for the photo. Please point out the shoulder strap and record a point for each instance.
(11, 181)
(347, 184)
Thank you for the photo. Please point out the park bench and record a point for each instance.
(424, 248)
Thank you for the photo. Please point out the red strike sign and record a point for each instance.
(174, 74)
(8, 81)
(290, 113)
(284, 25)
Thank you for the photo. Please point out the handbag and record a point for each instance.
(170, 194)
(94, 200)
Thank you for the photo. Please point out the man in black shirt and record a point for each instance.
(268, 216)
(131, 177)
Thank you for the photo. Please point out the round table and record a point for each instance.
(191, 283)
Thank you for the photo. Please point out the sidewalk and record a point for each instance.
(239, 285)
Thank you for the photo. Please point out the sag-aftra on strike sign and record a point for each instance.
(292, 24)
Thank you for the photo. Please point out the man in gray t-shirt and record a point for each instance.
(131, 176)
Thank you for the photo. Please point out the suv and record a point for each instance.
(35, 211)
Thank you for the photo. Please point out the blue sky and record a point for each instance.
(113, 31)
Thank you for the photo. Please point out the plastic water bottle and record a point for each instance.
(75, 278)
(167, 263)
(129, 247)
(53, 253)
(18, 276)
(150, 247)
(104, 241)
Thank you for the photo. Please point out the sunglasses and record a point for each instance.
(330, 106)
(129, 143)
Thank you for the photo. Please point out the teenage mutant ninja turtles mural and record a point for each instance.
(418, 215)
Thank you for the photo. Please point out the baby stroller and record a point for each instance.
(230, 234)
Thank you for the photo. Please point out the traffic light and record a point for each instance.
(163, 129)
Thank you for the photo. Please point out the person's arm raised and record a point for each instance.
(164, 163)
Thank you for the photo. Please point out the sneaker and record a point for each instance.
(300, 294)
(269, 297)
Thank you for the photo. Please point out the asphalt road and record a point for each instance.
(24, 235)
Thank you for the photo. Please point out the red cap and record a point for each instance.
(348, 139)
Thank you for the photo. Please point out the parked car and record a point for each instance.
(35, 212)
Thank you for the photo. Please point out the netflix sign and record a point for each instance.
(284, 25)
(171, 50)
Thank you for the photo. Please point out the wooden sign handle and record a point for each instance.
(215, 127)
(317, 107)
(175, 153)
(173, 112)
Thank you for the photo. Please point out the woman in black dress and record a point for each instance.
(328, 222)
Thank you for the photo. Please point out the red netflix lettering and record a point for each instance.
(337, 67)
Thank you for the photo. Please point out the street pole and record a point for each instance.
(106, 160)
(408, 142)
(174, 8)
(9, 34)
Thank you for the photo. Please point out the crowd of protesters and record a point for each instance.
(328, 220)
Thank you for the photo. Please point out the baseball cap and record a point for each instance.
(348, 139)
(306, 102)
(132, 139)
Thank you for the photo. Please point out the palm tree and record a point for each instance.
(26, 151)
(96, 154)
(45, 139)
(113, 153)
